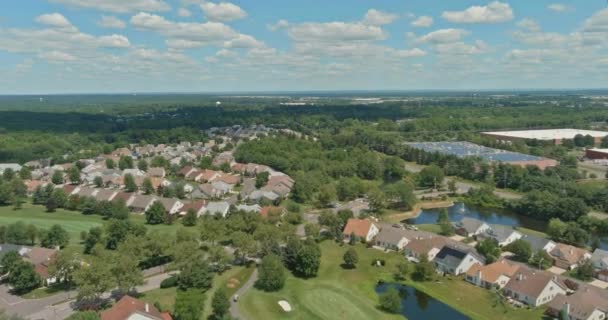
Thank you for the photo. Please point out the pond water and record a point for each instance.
(417, 305)
(493, 216)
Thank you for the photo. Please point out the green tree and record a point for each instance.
(431, 177)
(271, 274)
(308, 260)
(189, 220)
(147, 186)
(25, 173)
(585, 270)
(8, 174)
(57, 177)
(94, 236)
(23, 278)
(92, 281)
(84, 315)
(424, 270)
(541, 259)
(521, 249)
(390, 301)
(59, 198)
(261, 179)
(110, 164)
(489, 249)
(55, 237)
(63, 267)
(220, 303)
(129, 181)
(350, 258)
(156, 213)
(326, 195)
(74, 175)
(125, 162)
(126, 272)
(402, 270)
(188, 304)
(195, 273)
(447, 229)
(452, 186)
(98, 182)
(142, 165)
(9, 261)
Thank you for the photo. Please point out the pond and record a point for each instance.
(417, 305)
(460, 210)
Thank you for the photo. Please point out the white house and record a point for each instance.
(361, 228)
(533, 288)
(456, 259)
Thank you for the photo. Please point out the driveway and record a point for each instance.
(556, 270)
(234, 310)
(599, 283)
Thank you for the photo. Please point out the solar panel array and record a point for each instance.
(463, 149)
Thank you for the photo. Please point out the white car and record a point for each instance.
(235, 298)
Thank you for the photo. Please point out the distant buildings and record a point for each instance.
(555, 136)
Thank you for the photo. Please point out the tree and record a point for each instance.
(541, 259)
(188, 304)
(92, 281)
(125, 162)
(63, 267)
(430, 177)
(126, 272)
(377, 200)
(220, 303)
(402, 270)
(585, 270)
(93, 237)
(84, 315)
(110, 164)
(142, 165)
(350, 258)
(195, 273)
(244, 244)
(189, 220)
(156, 213)
(74, 175)
(23, 278)
(261, 179)
(271, 274)
(98, 182)
(312, 230)
(129, 181)
(308, 260)
(9, 261)
(59, 198)
(402, 193)
(51, 204)
(521, 249)
(333, 223)
(326, 195)
(25, 173)
(55, 237)
(57, 177)
(489, 249)
(390, 301)
(424, 270)
(447, 229)
(117, 231)
(147, 186)
(8, 174)
(452, 186)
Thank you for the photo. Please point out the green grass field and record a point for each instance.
(72, 222)
(349, 294)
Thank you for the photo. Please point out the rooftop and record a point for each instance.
(548, 134)
(463, 149)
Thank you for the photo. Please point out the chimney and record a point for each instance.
(147, 308)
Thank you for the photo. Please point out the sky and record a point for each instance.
(123, 46)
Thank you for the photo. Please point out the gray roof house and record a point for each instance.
(391, 238)
(258, 195)
(14, 166)
(469, 227)
(599, 258)
(538, 243)
(105, 195)
(221, 208)
(249, 208)
(172, 206)
(504, 235)
(457, 259)
(141, 203)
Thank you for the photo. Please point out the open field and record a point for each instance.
(349, 294)
(72, 222)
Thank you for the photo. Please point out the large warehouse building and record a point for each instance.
(596, 154)
(466, 149)
(556, 136)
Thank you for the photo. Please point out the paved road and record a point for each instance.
(234, 310)
(63, 310)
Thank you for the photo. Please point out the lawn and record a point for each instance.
(349, 294)
(72, 222)
(434, 228)
(531, 232)
(231, 279)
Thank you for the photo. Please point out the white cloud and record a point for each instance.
(57, 56)
(111, 22)
(335, 31)
(183, 12)
(225, 53)
(443, 36)
(54, 20)
(598, 22)
(281, 24)
(494, 12)
(243, 41)
(114, 41)
(118, 6)
(375, 17)
(223, 11)
(416, 52)
(422, 22)
(528, 24)
(558, 7)
(461, 48)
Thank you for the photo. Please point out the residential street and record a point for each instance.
(234, 309)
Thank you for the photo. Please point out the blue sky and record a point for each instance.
(76, 46)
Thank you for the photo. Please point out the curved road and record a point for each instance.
(234, 310)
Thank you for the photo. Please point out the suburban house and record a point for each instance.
(207, 191)
(259, 195)
(392, 238)
(156, 172)
(599, 258)
(495, 275)
(171, 205)
(12, 166)
(206, 176)
(221, 207)
(86, 192)
(415, 249)
(40, 257)
(503, 235)
(124, 196)
(198, 206)
(105, 195)
(222, 186)
(533, 288)
(537, 243)
(589, 303)
(188, 172)
(128, 308)
(141, 203)
(568, 257)
(469, 227)
(457, 259)
(249, 208)
(361, 228)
